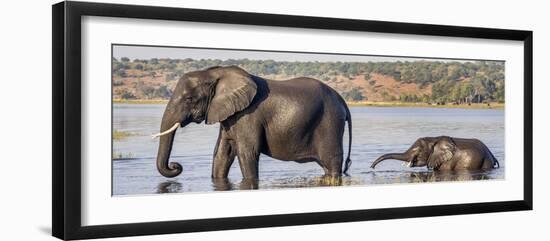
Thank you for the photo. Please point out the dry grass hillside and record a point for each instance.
(407, 82)
(379, 87)
(376, 88)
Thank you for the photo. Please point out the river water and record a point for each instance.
(376, 131)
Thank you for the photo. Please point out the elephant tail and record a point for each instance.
(496, 161)
(348, 159)
(496, 164)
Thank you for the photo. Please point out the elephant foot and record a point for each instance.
(222, 184)
(249, 184)
(330, 180)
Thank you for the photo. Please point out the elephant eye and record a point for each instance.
(188, 99)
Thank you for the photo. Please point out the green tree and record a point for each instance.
(455, 93)
(127, 95)
(162, 92)
(367, 76)
(467, 92)
(354, 94)
(387, 97)
(121, 73)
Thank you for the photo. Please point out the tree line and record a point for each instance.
(451, 81)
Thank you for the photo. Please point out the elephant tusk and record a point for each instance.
(410, 164)
(173, 128)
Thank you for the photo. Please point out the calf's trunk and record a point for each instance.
(396, 156)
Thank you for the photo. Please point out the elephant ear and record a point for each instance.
(234, 91)
(425, 147)
(443, 151)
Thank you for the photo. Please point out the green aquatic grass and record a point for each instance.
(120, 135)
(121, 155)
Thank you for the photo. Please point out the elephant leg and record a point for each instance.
(332, 164)
(248, 137)
(248, 161)
(329, 145)
(224, 156)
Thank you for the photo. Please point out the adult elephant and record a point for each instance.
(446, 153)
(298, 120)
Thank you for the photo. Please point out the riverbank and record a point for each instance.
(493, 105)
(361, 103)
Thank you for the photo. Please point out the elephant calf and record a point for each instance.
(446, 153)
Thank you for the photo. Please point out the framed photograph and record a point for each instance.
(171, 120)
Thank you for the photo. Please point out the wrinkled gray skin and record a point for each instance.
(298, 120)
(446, 154)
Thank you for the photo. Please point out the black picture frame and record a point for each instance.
(66, 127)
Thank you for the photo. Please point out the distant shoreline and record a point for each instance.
(493, 105)
(360, 103)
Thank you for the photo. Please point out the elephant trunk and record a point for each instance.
(166, 168)
(396, 156)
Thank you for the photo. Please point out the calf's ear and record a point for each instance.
(443, 151)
